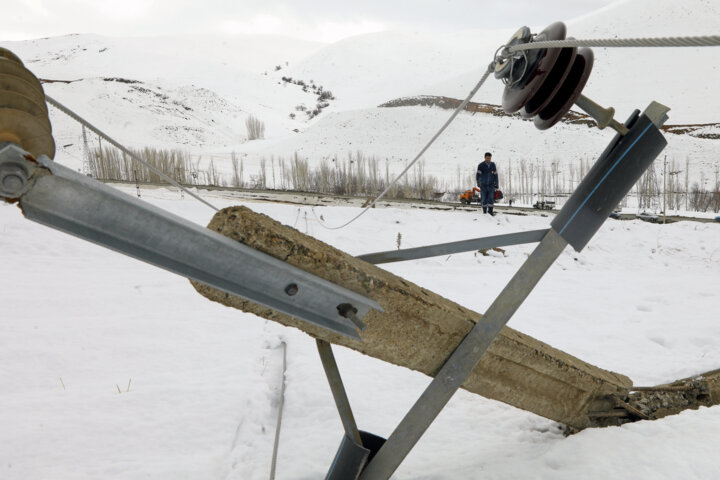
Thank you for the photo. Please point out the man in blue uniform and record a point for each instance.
(487, 180)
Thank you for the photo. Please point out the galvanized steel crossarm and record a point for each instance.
(58, 197)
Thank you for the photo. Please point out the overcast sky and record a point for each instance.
(320, 20)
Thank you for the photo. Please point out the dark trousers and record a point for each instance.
(487, 197)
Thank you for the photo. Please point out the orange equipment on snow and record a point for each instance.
(469, 196)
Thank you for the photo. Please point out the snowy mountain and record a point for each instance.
(196, 93)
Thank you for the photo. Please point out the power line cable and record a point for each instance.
(699, 41)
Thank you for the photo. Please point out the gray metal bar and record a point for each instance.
(63, 199)
(462, 361)
(338, 390)
(349, 461)
(454, 247)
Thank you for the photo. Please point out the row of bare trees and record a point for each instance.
(353, 175)
(665, 185)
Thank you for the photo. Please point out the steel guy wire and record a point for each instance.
(700, 41)
(117, 145)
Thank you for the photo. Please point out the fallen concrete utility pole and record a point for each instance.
(256, 264)
(420, 329)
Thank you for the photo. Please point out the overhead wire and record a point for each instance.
(697, 41)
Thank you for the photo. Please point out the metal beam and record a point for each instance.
(495, 241)
(338, 390)
(56, 196)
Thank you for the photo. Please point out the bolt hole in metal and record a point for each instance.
(292, 289)
(348, 311)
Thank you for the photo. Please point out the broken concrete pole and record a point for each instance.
(420, 329)
(702, 390)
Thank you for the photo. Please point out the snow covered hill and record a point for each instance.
(196, 93)
(204, 86)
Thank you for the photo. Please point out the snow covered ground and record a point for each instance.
(110, 368)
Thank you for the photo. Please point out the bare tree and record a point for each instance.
(255, 128)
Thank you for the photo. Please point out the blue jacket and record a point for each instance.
(487, 175)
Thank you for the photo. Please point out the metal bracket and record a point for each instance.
(338, 389)
(357, 447)
(66, 200)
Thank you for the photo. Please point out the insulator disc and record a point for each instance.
(568, 92)
(552, 83)
(9, 99)
(27, 131)
(10, 67)
(18, 85)
(5, 53)
(515, 97)
(23, 112)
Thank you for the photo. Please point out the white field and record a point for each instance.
(641, 300)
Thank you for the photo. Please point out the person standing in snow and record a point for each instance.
(487, 180)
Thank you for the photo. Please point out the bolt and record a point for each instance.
(603, 116)
(12, 183)
(12, 179)
(348, 311)
(291, 289)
